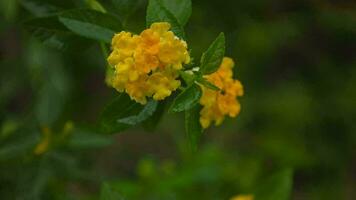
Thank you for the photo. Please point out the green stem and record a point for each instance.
(104, 50)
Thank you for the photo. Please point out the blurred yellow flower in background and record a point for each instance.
(44, 144)
(217, 104)
(147, 65)
(242, 197)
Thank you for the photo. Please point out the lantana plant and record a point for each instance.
(153, 71)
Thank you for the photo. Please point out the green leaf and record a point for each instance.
(207, 84)
(181, 9)
(46, 7)
(276, 187)
(152, 122)
(19, 144)
(192, 126)
(54, 34)
(95, 5)
(157, 12)
(212, 58)
(52, 81)
(108, 193)
(146, 112)
(49, 105)
(83, 139)
(187, 99)
(126, 8)
(53, 94)
(123, 113)
(8, 9)
(91, 24)
(8, 127)
(188, 78)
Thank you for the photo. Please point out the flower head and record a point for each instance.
(217, 104)
(147, 65)
(242, 197)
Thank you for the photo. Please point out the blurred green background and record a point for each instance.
(295, 58)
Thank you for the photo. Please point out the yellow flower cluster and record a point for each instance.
(147, 65)
(217, 104)
(242, 197)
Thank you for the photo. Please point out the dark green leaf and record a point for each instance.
(49, 105)
(277, 187)
(146, 112)
(152, 122)
(52, 95)
(46, 7)
(125, 8)
(192, 126)
(187, 99)
(181, 9)
(212, 58)
(123, 112)
(20, 144)
(91, 24)
(54, 34)
(108, 193)
(157, 12)
(81, 139)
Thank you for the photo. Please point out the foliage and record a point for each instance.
(65, 135)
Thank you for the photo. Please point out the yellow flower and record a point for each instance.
(161, 85)
(217, 104)
(138, 89)
(173, 51)
(148, 64)
(242, 197)
(43, 145)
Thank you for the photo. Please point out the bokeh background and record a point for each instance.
(295, 58)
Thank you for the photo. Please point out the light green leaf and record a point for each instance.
(91, 24)
(212, 58)
(277, 187)
(181, 9)
(192, 126)
(187, 99)
(146, 112)
(54, 34)
(95, 5)
(188, 77)
(123, 113)
(157, 12)
(108, 193)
